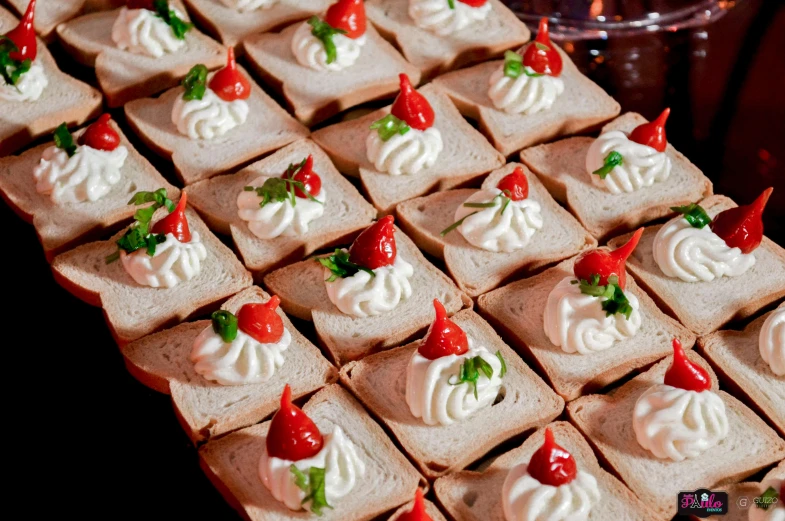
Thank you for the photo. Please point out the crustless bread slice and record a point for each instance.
(477, 496)
(561, 166)
(232, 464)
(162, 362)
(49, 14)
(345, 211)
(606, 420)
(477, 271)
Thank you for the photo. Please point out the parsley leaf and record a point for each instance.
(472, 367)
(340, 265)
(388, 126)
(513, 64)
(768, 498)
(325, 32)
(694, 213)
(225, 325)
(313, 484)
(280, 189)
(138, 235)
(612, 160)
(451, 4)
(195, 83)
(615, 299)
(64, 140)
(10, 69)
(179, 27)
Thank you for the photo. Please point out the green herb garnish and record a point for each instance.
(451, 4)
(280, 189)
(513, 66)
(138, 235)
(612, 160)
(768, 498)
(505, 200)
(64, 140)
(615, 299)
(694, 213)
(10, 69)
(179, 27)
(225, 325)
(313, 485)
(195, 83)
(388, 126)
(471, 369)
(341, 267)
(504, 364)
(325, 32)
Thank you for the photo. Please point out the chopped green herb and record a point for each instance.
(456, 224)
(694, 213)
(64, 140)
(768, 498)
(451, 4)
(138, 235)
(195, 83)
(615, 299)
(279, 189)
(612, 160)
(179, 27)
(513, 66)
(471, 369)
(504, 364)
(489, 204)
(313, 484)
(10, 69)
(325, 32)
(505, 201)
(388, 126)
(341, 267)
(225, 325)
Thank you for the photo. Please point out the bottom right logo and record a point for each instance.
(703, 503)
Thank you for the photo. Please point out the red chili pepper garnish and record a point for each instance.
(375, 246)
(444, 337)
(552, 464)
(23, 36)
(292, 435)
(606, 263)
(742, 227)
(417, 513)
(541, 55)
(516, 185)
(653, 133)
(230, 84)
(348, 15)
(309, 179)
(684, 374)
(261, 322)
(140, 4)
(100, 135)
(175, 223)
(412, 107)
(474, 3)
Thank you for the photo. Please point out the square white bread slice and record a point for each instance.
(302, 291)
(345, 211)
(316, 95)
(232, 464)
(706, 306)
(65, 99)
(606, 420)
(132, 310)
(124, 76)
(466, 155)
(561, 166)
(517, 310)
(477, 496)
(581, 107)
(49, 14)
(735, 355)
(477, 271)
(433, 54)
(162, 361)
(741, 496)
(231, 26)
(524, 403)
(432, 510)
(61, 226)
(267, 128)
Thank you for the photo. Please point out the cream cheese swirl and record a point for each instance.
(524, 94)
(30, 86)
(245, 6)
(88, 175)
(172, 263)
(696, 254)
(438, 17)
(208, 117)
(771, 343)
(677, 424)
(310, 52)
(641, 166)
(338, 457)
(278, 218)
(141, 31)
(404, 154)
(526, 499)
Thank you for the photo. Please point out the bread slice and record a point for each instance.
(206, 409)
(561, 166)
(49, 15)
(231, 27)
(303, 295)
(64, 99)
(316, 95)
(706, 306)
(581, 107)
(477, 271)
(606, 420)
(434, 54)
(268, 128)
(736, 357)
(60, 227)
(517, 310)
(345, 213)
(477, 496)
(232, 464)
(124, 76)
(432, 510)
(466, 155)
(526, 402)
(132, 310)
(741, 496)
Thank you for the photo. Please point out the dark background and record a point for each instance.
(90, 441)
